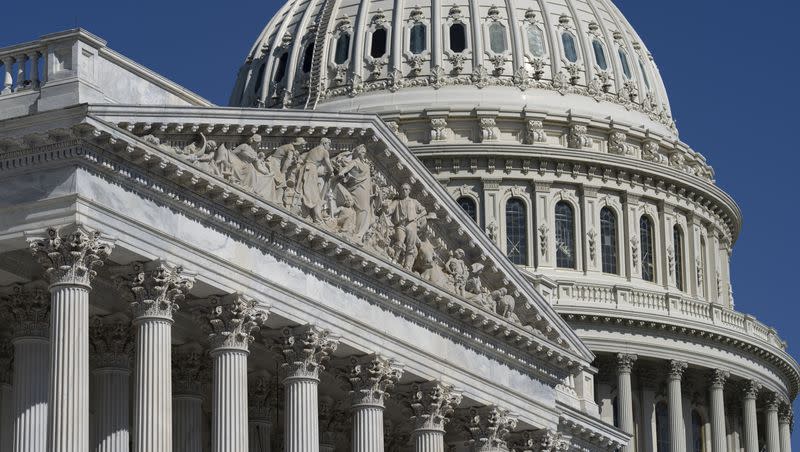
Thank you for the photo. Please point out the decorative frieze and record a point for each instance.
(70, 256)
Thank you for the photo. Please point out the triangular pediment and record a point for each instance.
(344, 185)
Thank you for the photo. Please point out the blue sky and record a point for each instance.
(730, 68)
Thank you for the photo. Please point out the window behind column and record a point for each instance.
(662, 427)
(608, 240)
(698, 436)
(565, 235)
(647, 238)
(516, 231)
(677, 242)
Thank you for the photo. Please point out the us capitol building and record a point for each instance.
(419, 226)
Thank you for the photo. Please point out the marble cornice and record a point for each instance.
(590, 430)
(247, 216)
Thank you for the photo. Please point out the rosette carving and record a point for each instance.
(305, 349)
(371, 377)
(432, 404)
(156, 288)
(111, 341)
(70, 257)
(231, 321)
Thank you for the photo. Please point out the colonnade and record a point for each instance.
(777, 412)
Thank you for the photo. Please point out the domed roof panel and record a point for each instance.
(319, 53)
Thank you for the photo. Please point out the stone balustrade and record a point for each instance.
(21, 68)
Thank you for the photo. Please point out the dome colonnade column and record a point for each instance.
(750, 419)
(69, 260)
(717, 402)
(677, 434)
(624, 393)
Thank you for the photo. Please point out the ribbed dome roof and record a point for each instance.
(400, 56)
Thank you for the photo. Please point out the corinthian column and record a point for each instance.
(260, 420)
(231, 322)
(432, 403)
(489, 428)
(751, 389)
(69, 260)
(772, 429)
(624, 393)
(112, 345)
(677, 434)
(30, 328)
(785, 418)
(305, 349)
(189, 376)
(6, 397)
(370, 378)
(157, 288)
(717, 401)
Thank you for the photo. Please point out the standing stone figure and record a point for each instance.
(460, 271)
(309, 186)
(407, 215)
(357, 178)
(279, 163)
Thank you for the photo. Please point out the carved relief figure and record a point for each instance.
(355, 173)
(407, 216)
(459, 270)
(280, 161)
(314, 164)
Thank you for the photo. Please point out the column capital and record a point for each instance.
(717, 378)
(305, 349)
(155, 287)
(6, 358)
(28, 311)
(625, 362)
(544, 440)
(70, 255)
(433, 403)
(260, 391)
(189, 369)
(370, 378)
(751, 388)
(230, 322)
(676, 369)
(111, 341)
(772, 402)
(786, 413)
(489, 427)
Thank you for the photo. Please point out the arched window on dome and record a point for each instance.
(599, 54)
(698, 433)
(377, 47)
(677, 243)
(516, 231)
(703, 270)
(469, 206)
(648, 246)
(458, 37)
(260, 79)
(308, 58)
(535, 41)
(280, 69)
(497, 37)
(342, 50)
(570, 48)
(626, 66)
(663, 442)
(608, 240)
(418, 38)
(565, 235)
(644, 74)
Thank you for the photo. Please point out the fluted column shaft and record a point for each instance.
(772, 429)
(367, 428)
(187, 422)
(717, 402)
(112, 413)
(676, 422)
(624, 395)
(428, 440)
(260, 435)
(785, 429)
(68, 402)
(302, 414)
(229, 403)
(6, 417)
(750, 423)
(31, 361)
(152, 404)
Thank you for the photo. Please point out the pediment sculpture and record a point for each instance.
(343, 190)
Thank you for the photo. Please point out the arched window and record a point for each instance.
(458, 37)
(570, 50)
(377, 47)
(703, 270)
(644, 75)
(280, 69)
(260, 79)
(469, 206)
(418, 42)
(599, 55)
(497, 37)
(536, 41)
(565, 235)
(608, 240)
(698, 438)
(626, 67)
(648, 248)
(677, 242)
(342, 53)
(662, 427)
(308, 57)
(516, 232)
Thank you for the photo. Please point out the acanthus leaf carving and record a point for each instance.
(70, 257)
(305, 350)
(156, 288)
(231, 321)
